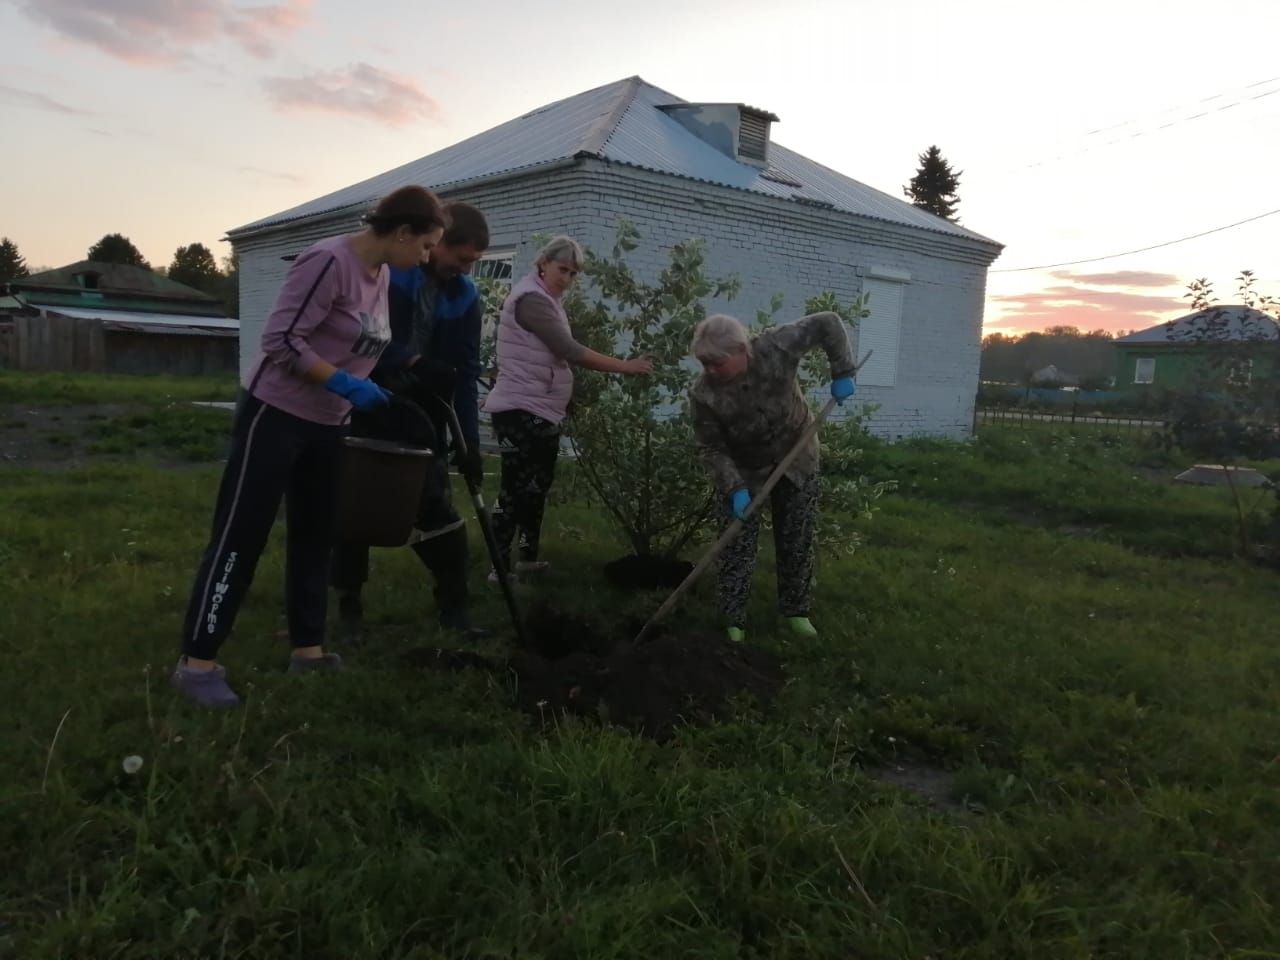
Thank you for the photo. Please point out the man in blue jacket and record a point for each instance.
(433, 360)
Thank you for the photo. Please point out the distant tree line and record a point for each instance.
(1088, 356)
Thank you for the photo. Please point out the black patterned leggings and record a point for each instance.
(529, 447)
(795, 516)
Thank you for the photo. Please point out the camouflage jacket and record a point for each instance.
(743, 428)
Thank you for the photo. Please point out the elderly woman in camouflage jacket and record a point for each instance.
(748, 412)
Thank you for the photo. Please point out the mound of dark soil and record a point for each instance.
(653, 688)
(639, 572)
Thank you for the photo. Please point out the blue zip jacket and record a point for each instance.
(439, 321)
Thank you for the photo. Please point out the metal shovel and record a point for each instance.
(486, 528)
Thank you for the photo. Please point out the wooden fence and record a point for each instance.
(55, 342)
(7, 358)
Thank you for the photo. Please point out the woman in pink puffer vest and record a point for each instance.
(536, 356)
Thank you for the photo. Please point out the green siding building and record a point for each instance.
(1201, 348)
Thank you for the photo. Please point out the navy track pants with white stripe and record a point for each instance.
(274, 455)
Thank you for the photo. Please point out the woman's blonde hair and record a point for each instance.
(564, 250)
(719, 336)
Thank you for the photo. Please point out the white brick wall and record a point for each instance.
(775, 246)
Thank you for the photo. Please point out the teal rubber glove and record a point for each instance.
(364, 395)
(842, 389)
(739, 500)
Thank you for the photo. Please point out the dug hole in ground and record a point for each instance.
(573, 667)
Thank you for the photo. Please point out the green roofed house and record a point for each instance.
(112, 317)
(1202, 348)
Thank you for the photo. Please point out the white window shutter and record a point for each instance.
(881, 332)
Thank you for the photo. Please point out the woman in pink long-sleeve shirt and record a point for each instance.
(329, 324)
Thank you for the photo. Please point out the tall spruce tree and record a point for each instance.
(13, 266)
(933, 188)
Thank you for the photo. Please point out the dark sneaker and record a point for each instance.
(493, 580)
(208, 688)
(322, 664)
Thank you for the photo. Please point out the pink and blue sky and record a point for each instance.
(1082, 130)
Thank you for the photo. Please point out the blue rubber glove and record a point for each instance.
(362, 394)
(739, 500)
(842, 389)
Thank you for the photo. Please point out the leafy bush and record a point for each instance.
(633, 436)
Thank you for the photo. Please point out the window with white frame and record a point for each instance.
(492, 274)
(1144, 370)
(1240, 372)
(494, 265)
(880, 331)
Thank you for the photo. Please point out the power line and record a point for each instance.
(1203, 100)
(1156, 246)
(1087, 143)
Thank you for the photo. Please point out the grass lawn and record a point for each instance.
(60, 388)
(1054, 640)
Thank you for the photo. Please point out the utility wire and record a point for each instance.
(1088, 142)
(1126, 253)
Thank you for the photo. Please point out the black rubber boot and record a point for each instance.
(446, 557)
(350, 618)
(458, 620)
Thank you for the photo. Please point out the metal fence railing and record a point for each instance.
(1071, 418)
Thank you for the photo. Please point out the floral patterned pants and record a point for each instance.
(530, 447)
(795, 514)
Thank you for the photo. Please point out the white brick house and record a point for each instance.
(780, 221)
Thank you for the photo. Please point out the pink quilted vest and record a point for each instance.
(530, 377)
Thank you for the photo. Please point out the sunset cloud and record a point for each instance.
(1120, 278)
(1078, 306)
(359, 90)
(16, 97)
(161, 31)
(257, 27)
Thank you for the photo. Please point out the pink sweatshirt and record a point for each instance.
(331, 307)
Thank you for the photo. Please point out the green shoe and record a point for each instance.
(801, 627)
(737, 634)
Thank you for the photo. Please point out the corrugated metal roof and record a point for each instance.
(647, 137)
(148, 319)
(621, 123)
(140, 303)
(113, 278)
(1234, 322)
(169, 330)
(554, 132)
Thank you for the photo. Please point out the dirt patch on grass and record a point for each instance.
(931, 784)
(670, 680)
(636, 572)
(69, 436)
(1081, 530)
(53, 437)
